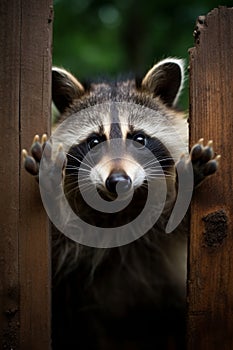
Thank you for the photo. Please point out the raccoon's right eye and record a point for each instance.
(139, 140)
(93, 141)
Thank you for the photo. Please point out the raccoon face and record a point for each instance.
(119, 165)
(119, 135)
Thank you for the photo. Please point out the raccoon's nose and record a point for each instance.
(118, 182)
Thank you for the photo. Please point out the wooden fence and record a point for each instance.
(25, 283)
(25, 71)
(210, 280)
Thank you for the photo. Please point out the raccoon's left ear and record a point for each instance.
(65, 88)
(165, 79)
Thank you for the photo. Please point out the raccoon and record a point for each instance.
(119, 145)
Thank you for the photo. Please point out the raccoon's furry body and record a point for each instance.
(132, 296)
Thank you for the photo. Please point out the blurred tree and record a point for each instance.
(108, 37)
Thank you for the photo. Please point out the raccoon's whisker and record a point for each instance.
(151, 161)
(87, 160)
(156, 167)
(87, 163)
(74, 169)
(155, 171)
(77, 169)
(157, 161)
(78, 184)
(73, 175)
(159, 170)
(82, 182)
(71, 166)
(165, 170)
(160, 173)
(170, 175)
(72, 156)
(79, 181)
(165, 159)
(161, 160)
(76, 189)
(85, 187)
(84, 170)
(71, 186)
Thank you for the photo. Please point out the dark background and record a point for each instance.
(93, 38)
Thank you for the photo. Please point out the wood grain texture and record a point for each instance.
(35, 110)
(9, 172)
(210, 279)
(25, 85)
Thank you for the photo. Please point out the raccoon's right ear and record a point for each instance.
(165, 80)
(65, 88)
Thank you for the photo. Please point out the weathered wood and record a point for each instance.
(210, 280)
(25, 70)
(9, 171)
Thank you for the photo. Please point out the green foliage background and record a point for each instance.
(93, 38)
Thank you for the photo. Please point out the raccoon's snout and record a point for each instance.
(118, 183)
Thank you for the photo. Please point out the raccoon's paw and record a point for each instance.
(32, 162)
(51, 168)
(204, 161)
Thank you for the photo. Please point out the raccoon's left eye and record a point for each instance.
(93, 141)
(140, 140)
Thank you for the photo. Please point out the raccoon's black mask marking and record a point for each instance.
(77, 154)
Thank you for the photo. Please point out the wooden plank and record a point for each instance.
(9, 171)
(35, 111)
(210, 279)
(25, 70)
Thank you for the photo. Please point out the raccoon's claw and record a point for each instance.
(29, 163)
(36, 148)
(204, 161)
